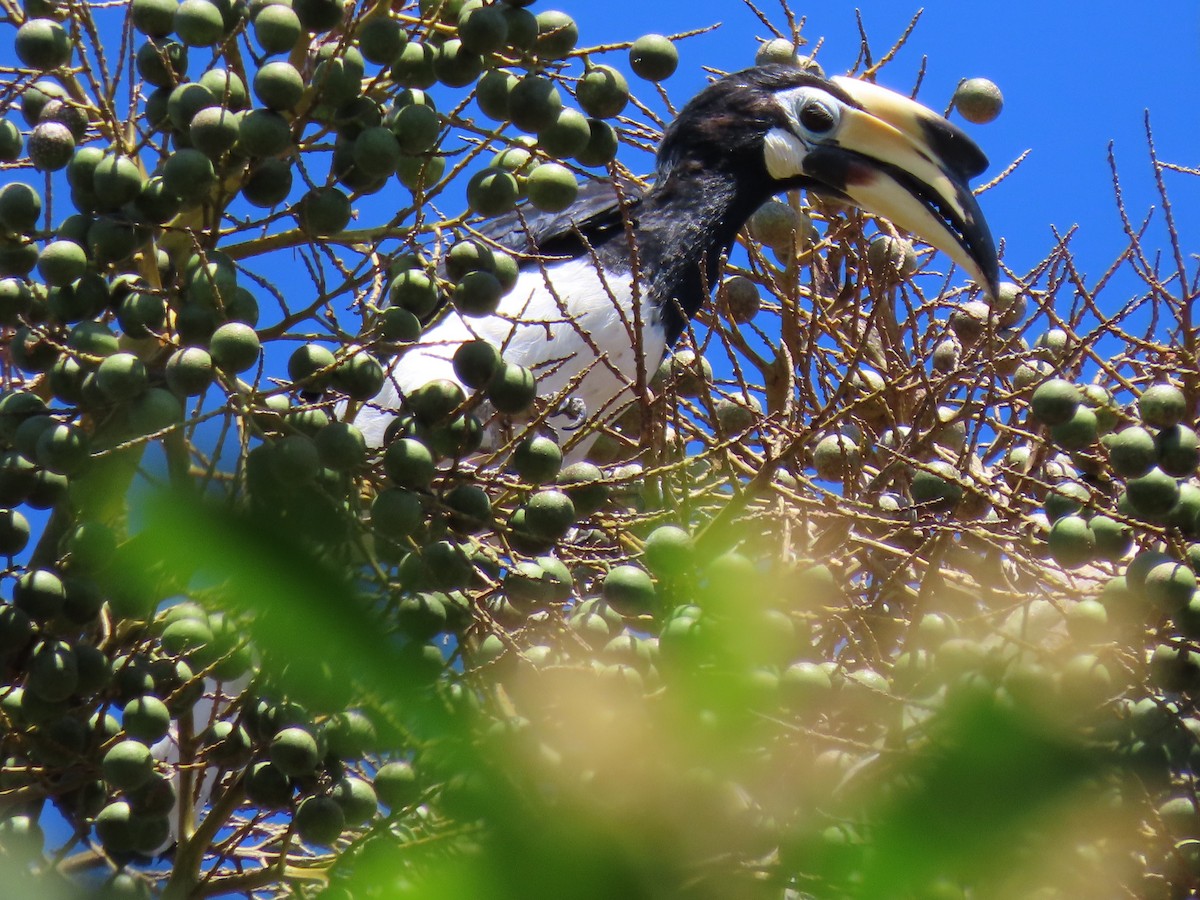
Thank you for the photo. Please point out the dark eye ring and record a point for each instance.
(817, 117)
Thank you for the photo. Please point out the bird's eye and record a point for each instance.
(817, 117)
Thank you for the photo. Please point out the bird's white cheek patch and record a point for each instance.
(783, 153)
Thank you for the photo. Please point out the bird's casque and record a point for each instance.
(607, 286)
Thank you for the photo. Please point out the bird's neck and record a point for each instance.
(686, 224)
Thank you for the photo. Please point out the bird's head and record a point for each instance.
(783, 128)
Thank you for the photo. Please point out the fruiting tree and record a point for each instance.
(877, 590)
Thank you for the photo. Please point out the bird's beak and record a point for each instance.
(898, 159)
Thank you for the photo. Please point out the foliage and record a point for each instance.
(863, 596)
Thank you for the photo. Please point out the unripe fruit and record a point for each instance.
(602, 145)
(42, 44)
(277, 28)
(476, 363)
(189, 174)
(584, 483)
(537, 460)
(264, 133)
(62, 262)
(836, 456)
(602, 92)
(492, 191)
(1071, 542)
(357, 799)
(234, 347)
(653, 57)
(396, 784)
(413, 68)
(1178, 450)
(342, 446)
(1162, 405)
(395, 513)
(415, 291)
(1055, 401)
(455, 65)
(20, 207)
(629, 590)
(190, 371)
(936, 483)
(669, 551)
(267, 786)
(549, 514)
(477, 294)
(295, 752)
(567, 135)
(436, 401)
(1153, 494)
(278, 85)
(319, 820)
(483, 29)
(324, 211)
(557, 34)
(121, 376)
(380, 38)
(978, 100)
(1131, 451)
(128, 765)
(146, 718)
(512, 390)
(534, 103)
(409, 464)
(199, 23)
(551, 187)
(304, 364)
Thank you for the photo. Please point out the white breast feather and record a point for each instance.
(554, 345)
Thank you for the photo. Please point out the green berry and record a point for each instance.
(492, 191)
(1071, 542)
(1055, 401)
(669, 551)
(319, 820)
(146, 718)
(551, 187)
(42, 44)
(534, 103)
(978, 100)
(549, 514)
(324, 211)
(235, 347)
(409, 464)
(512, 390)
(20, 207)
(602, 92)
(1131, 451)
(1162, 405)
(128, 765)
(277, 28)
(537, 460)
(1153, 494)
(629, 590)
(653, 57)
(294, 752)
(199, 23)
(476, 363)
(557, 34)
(936, 483)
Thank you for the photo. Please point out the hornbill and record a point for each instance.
(619, 273)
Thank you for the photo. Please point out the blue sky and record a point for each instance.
(1075, 75)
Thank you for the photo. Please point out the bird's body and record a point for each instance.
(607, 286)
(552, 324)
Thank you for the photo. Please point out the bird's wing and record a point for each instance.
(600, 209)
